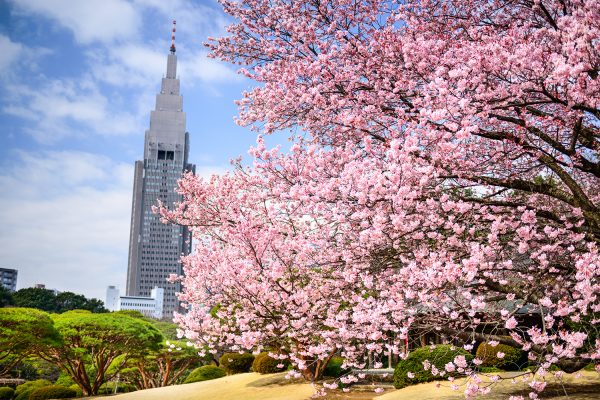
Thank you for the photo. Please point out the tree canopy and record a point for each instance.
(23, 332)
(93, 343)
(48, 300)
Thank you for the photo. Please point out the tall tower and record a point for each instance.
(155, 248)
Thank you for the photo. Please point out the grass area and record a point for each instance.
(252, 386)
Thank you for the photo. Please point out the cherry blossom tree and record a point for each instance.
(444, 176)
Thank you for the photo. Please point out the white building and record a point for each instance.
(149, 306)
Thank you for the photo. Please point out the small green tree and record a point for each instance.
(163, 367)
(66, 301)
(24, 331)
(6, 297)
(93, 343)
(42, 299)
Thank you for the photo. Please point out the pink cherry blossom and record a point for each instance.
(442, 176)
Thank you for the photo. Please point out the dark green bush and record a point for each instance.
(52, 392)
(109, 388)
(22, 392)
(489, 355)
(333, 368)
(236, 363)
(263, 364)
(438, 356)
(6, 393)
(205, 373)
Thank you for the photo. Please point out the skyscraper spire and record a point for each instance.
(173, 37)
(172, 58)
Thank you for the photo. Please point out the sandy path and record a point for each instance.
(250, 386)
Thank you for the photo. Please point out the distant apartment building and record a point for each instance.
(155, 248)
(8, 278)
(152, 306)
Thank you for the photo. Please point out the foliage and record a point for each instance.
(24, 330)
(32, 367)
(442, 177)
(23, 391)
(66, 301)
(511, 358)
(39, 298)
(6, 298)
(64, 380)
(160, 367)
(264, 364)
(122, 387)
(6, 393)
(334, 367)
(52, 392)
(412, 371)
(48, 300)
(93, 342)
(77, 389)
(236, 363)
(205, 373)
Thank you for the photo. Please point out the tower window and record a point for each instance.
(166, 155)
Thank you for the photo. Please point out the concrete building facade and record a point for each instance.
(155, 248)
(152, 306)
(8, 278)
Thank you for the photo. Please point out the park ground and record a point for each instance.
(252, 386)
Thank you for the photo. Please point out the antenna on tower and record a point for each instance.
(173, 37)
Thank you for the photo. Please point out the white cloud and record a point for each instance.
(65, 220)
(89, 20)
(63, 108)
(10, 52)
(16, 56)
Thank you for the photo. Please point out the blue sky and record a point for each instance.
(78, 80)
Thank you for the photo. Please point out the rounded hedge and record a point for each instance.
(439, 356)
(236, 363)
(6, 393)
(205, 373)
(23, 391)
(52, 392)
(64, 380)
(263, 364)
(333, 368)
(489, 355)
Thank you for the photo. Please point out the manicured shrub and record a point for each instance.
(590, 367)
(333, 368)
(512, 359)
(438, 356)
(77, 389)
(236, 363)
(52, 392)
(205, 373)
(263, 364)
(6, 393)
(64, 380)
(109, 388)
(22, 392)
